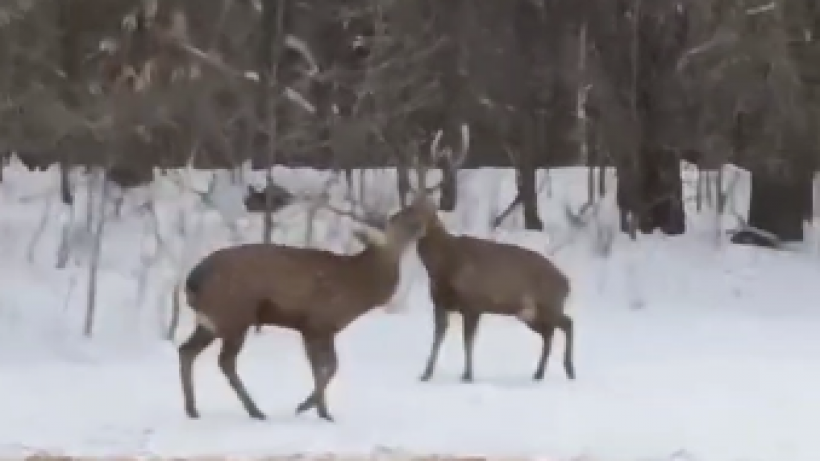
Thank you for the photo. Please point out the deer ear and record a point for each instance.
(370, 237)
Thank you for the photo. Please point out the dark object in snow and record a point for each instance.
(751, 236)
(255, 200)
(129, 177)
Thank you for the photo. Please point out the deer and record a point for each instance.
(315, 292)
(475, 276)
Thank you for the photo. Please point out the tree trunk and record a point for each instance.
(449, 187)
(453, 85)
(527, 189)
(627, 197)
(655, 196)
(779, 203)
(662, 195)
(269, 50)
(527, 174)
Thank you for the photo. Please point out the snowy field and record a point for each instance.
(688, 348)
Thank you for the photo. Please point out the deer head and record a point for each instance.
(422, 205)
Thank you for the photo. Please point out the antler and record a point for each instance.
(370, 218)
(436, 154)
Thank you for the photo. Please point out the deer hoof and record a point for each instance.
(258, 415)
(425, 377)
(324, 414)
(306, 405)
(192, 413)
(570, 370)
(467, 378)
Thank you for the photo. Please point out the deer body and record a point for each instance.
(315, 292)
(475, 276)
(304, 275)
(504, 289)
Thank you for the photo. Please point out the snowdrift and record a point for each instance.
(688, 347)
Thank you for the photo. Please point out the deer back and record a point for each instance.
(496, 275)
(294, 278)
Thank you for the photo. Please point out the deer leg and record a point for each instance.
(188, 352)
(440, 330)
(323, 363)
(315, 370)
(546, 332)
(470, 323)
(565, 324)
(231, 346)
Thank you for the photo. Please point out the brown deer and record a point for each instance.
(315, 292)
(475, 276)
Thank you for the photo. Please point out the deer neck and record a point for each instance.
(379, 269)
(436, 232)
(433, 245)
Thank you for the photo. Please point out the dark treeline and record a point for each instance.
(129, 85)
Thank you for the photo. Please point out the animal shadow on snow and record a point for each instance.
(216, 419)
(505, 381)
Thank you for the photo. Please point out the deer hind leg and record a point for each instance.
(231, 346)
(470, 322)
(441, 320)
(565, 324)
(321, 353)
(546, 332)
(200, 339)
(533, 316)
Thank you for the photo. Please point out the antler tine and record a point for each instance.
(370, 218)
(422, 166)
(435, 152)
(465, 147)
(454, 163)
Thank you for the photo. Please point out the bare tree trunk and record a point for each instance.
(453, 85)
(402, 178)
(527, 175)
(69, 57)
(173, 325)
(270, 48)
(449, 185)
(65, 184)
(661, 204)
(96, 253)
(581, 95)
(627, 196)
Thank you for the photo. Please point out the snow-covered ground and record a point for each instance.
(687, 347)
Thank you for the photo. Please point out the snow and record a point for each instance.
(687, 347)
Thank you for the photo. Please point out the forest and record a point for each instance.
(126, 86)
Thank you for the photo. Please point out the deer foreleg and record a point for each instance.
(565, 324)
(188, 352)
(440, 330)
(323, 360)
(470, 325)
(227, 363)
(546, 333)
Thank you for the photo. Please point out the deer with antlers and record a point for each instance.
(315, 292)
(475, 276)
